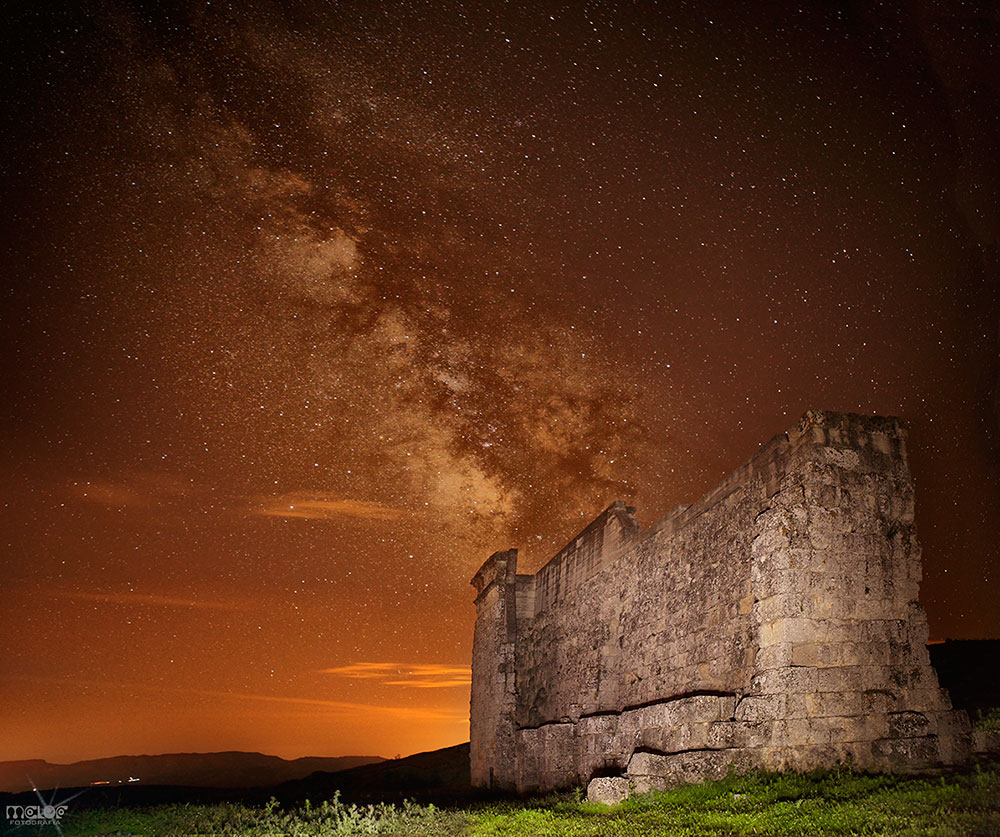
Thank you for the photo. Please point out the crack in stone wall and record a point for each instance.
(773, 623)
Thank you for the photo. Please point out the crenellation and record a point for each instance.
(773, 623)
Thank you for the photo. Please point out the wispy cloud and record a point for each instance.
(113, 495)
(347, 708)
(416, 675)
(132, 490)
(358, 711)
(145, 599)
(311, 507)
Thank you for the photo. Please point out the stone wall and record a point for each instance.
(774, 623)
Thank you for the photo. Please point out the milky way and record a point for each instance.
(314, 306)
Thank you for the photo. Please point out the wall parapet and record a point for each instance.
(596, 546)
(773, 623)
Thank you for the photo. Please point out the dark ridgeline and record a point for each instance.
(208, 770)
(439, 776)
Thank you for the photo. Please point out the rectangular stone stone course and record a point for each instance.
(837, 704)
(651, 771)
(739, 734)
(914, 752)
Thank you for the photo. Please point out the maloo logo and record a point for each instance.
(35, 814)
(42, 814)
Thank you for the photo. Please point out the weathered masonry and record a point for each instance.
(772, 624)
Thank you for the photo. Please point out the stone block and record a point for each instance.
(654, 771)
(761, 708)
(598, 725)
(726, 735)
(837, 654)
(676, 738)
(794, 732)
(811, 654)
(908, 724)
(880, 700)
(839, 457)
(647, 764)
(773, 656)
(954, 734)
(793, 630)
(893, 631)
(857, 728)
(608, 790)
(835, 704)
(907, 754)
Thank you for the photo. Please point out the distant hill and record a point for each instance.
(439, 776)
(203, 770)
(970, 670)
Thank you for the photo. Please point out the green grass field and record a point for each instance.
(830, 802)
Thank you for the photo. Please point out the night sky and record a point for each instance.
(309, 307)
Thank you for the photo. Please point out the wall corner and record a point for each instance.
(494, 687)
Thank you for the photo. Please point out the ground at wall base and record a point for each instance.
(830, 803)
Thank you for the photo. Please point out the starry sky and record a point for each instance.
(310, 306)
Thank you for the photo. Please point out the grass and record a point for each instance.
(331, 817)
(829, 802)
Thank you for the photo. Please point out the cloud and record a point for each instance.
(145, 599)
(347, 708)
(364, 711)
(310, 507)
(112, 495)
(136, 490)
(416, 675)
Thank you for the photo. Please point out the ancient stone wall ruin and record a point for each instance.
(772, 624)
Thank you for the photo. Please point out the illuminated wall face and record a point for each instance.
(313, 310)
